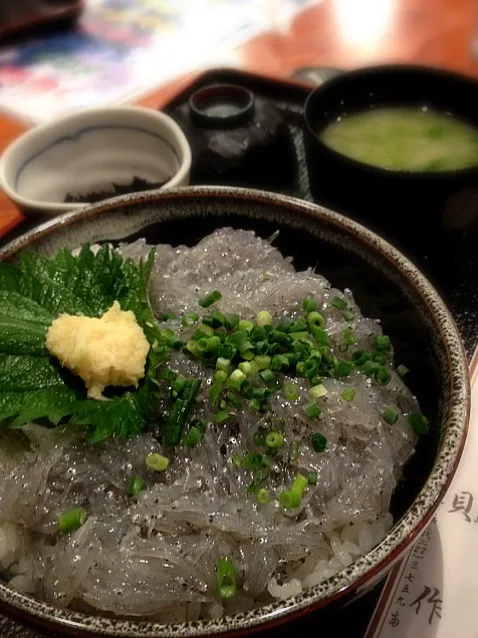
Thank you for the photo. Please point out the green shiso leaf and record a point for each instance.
(33, 385)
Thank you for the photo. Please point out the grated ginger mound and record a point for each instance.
(111, 350)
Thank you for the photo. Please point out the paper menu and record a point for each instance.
(433, 591)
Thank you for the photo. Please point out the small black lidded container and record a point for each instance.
(237, 139)
(413, 209)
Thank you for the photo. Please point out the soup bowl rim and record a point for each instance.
(369, 72)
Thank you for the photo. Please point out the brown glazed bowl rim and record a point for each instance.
(377, 71)
(366, 568)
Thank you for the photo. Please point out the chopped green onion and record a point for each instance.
(348, 394)
(279, 361)
(189, 319)
(289, 499)
(419, 423)
(317, 391)
(261, 393)
(231, 322)
(310, 367)
(192, 346)
(284, 325)
(338, 303)
(166, 316)
(213, 343)
(370, 367)
(383, 375)
(298, 326)
(223, 364)
(168, 374)
(291, 392)
(267, 375)
(348, 337)
(234, 400)
(203, 331)
(193, 437)
(174, 342)
(236, 379)
(220, 376)
(202, 345)
(274, 439)
(259, 437)
(301, 336)
(237, 460)
(317, 380)
(379, 357)
(315, 320)
(292, 498)
(344, 368)
(252, 461)
(254, 367)
(359, 357)
(312, 478)
(254, 405)
(262, 347)
(157, 462)
(216, 388)
(226, 579)
(179, 413)
(216, 319)
(226, 351)
(309, 305)
(263, 361)
(312, 410)
(299, 484)
(390, 415)
(319, 442)
(221, 416)
(320, 335)
(263, 496)
(245, 325)
(402, 370)
(245, 367)
(259, 333)
(135, 485)
(210, 299)
(382, 343)
(348, 315)
(179, 383)
(72, 520)
(264, 318)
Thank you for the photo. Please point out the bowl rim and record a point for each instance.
(379, 70)
(147, 115)
(366, 568)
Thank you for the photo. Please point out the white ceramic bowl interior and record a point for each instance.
(88, 152)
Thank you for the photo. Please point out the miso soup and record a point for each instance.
(409, 139)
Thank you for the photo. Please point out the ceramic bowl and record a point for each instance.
(386, 286)
(90, 151)
(414, 207)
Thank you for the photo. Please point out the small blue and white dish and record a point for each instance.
(56, 167)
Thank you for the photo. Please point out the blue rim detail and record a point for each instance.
(90, 129)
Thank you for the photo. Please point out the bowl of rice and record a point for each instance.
(300, 411)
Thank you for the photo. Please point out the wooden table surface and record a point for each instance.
(337, 33)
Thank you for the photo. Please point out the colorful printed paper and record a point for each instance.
(123, 48)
